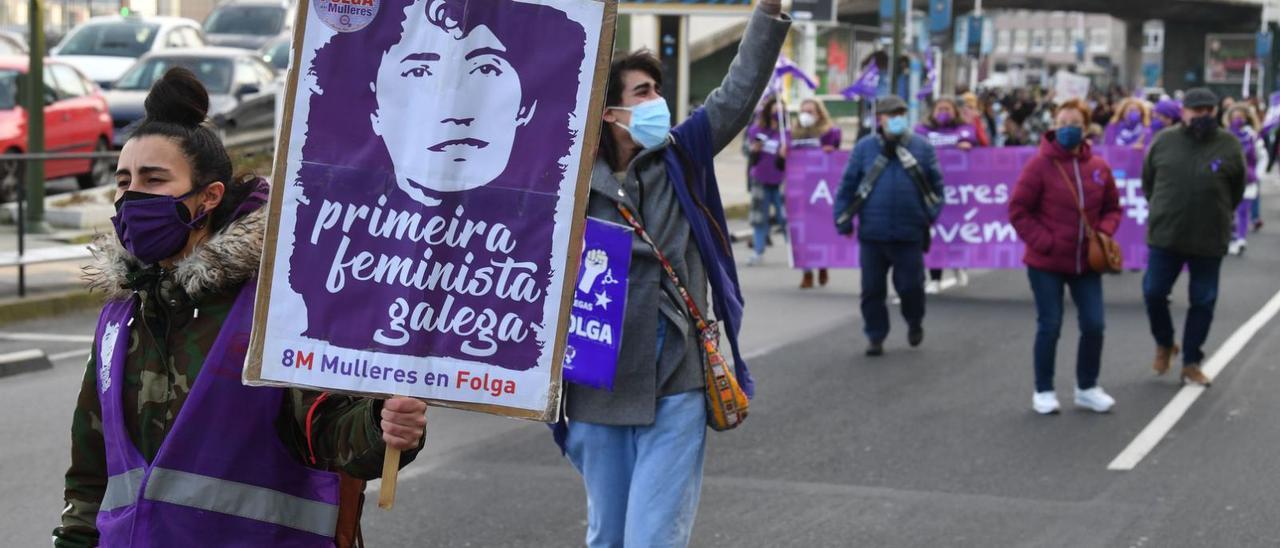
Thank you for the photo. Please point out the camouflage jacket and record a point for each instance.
(181, 311)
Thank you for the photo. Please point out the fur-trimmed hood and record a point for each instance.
(226, 260)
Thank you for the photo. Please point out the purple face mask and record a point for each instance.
(153, 227)
(1237, 124)
(1133, 117)
(943, 117)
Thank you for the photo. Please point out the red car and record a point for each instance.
(75, 120)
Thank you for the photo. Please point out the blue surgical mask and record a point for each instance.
(1070, 136)
(650, 122)
(897, 125)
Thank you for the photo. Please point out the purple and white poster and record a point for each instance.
(435, 164)
(974, 229)
(599, 302)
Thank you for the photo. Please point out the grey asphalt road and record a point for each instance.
(933, 446)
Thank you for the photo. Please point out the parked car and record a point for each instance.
(12, 43)
(276, 52)
(75, 120)
(105, 47)
(242, 88)
(248, 24)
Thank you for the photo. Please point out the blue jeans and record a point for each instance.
(906, 259)
(643, 482)
(764, 198)
(1086, 292)
(1163, 268)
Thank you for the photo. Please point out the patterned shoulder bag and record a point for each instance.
(726, 402)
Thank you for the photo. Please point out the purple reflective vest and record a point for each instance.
(222, 477)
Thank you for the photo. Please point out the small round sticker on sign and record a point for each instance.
(346, 15)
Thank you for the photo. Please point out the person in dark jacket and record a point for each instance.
(1045, 210)
(894, 220)
(1193, 178)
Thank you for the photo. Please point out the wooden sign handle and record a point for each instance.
(390, 470)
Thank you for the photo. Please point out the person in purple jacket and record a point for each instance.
(816, 130)
(1243, 123)
(768, 160)
(944, 127)
(1131, 125)
(1168, 113)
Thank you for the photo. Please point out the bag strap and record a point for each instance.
(666, 265)
(930, 198)
(1066, 179)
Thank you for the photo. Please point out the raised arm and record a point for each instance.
(729, 107)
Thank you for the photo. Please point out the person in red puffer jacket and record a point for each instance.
(1045, 212)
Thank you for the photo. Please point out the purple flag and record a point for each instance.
(866, 84)
(784, 67)
(931, 74)
(1273, 113)
(973, 230)
(595, 323)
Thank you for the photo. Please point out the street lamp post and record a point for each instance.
(35, 118)
(894, 73)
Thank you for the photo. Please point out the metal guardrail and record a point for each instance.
(21, 220)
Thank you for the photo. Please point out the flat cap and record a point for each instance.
(889, 104)
(1199, 97)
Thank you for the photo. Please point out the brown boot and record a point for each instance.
(1164, 355)
(1191, 373)
(823, 278)
(807, 281)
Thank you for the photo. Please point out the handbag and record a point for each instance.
(1104, 255)
(726, 402)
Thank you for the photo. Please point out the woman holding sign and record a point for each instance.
(816, 131)
(640, 447)
(1064, 192)
(168, 447)
(767, 156)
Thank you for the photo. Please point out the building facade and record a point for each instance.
(1030, 46)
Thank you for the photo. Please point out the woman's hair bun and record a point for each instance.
(178, 98)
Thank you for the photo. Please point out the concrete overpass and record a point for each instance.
(1208, 12)
(1186, 24)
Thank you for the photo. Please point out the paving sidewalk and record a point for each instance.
(51, 288)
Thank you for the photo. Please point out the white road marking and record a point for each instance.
(69, 355)
(44, 337)
(1150, 436)
(22, 355)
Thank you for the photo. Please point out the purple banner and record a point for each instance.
(974, 229)
(599, 299)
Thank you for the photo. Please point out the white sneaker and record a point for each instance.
(962, 277)
(1095, 399)
(755, 260)
(1236, 247)
(932, 287)
(1045, 403)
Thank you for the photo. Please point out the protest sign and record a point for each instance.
(1069, 86)
(595, 325)
(431, 186)
(973, 230)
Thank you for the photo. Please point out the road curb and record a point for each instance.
(25, 361)
(46, 305)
